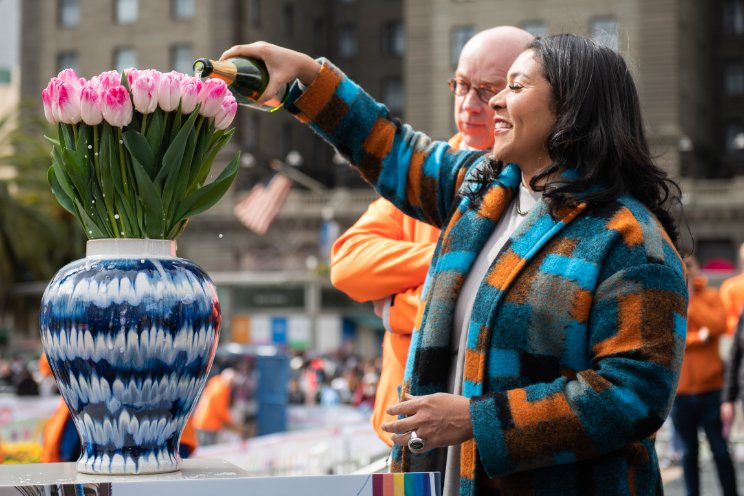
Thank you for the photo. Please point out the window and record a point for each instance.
(288, 19)
(393, 38)
(392, 95)
(68, 59)
(735, 78)
(735, 137)
(126, 11)
(535, 28)
(604, 31)
(347, 41)
(733, 17)
(68, 14)
(182, 58)
(124, 58)
(254, 13)
(182, 9)
(460, 36)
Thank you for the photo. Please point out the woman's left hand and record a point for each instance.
(439, 419)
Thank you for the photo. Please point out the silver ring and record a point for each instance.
(415, 443)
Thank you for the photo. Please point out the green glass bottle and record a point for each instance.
(247, 79)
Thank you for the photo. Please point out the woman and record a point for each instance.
(549, 347)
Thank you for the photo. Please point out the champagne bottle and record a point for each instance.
(247, 79)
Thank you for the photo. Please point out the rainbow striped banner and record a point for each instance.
(408, 484)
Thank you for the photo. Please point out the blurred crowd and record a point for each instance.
(333, 380)
(23, 377)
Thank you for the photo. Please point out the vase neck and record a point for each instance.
(131, 248)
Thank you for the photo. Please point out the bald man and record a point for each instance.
(385, 255)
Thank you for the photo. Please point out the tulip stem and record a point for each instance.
(144, 120)
(123, 169)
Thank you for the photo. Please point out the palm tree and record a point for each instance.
(36, 235)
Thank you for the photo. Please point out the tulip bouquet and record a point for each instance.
(134, 150)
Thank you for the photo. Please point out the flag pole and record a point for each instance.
(297, 176)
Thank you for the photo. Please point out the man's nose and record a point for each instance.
(472, 101)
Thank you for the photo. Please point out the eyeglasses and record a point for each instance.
(485, 91)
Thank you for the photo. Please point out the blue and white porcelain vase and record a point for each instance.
(130, 332)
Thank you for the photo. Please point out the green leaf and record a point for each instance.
(105, 157)
(154, 133)
(174, 154)
(149, 197)
(127, 216)
(61, 174)
(138, 146)
(83, 138)
(59, 192)
(206, 166)
(100, 209)
(77, 170)
(208, 195)
(178, 180)
(92, 231)
(66, 135)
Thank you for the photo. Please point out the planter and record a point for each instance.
(130, 332)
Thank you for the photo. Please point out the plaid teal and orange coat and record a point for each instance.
(577, 331)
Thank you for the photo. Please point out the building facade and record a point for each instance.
(263, 278)
(688, 61)
(687, 57)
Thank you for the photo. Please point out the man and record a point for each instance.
(385, 255)
(698, 401)
(212, 412)
(732, 295)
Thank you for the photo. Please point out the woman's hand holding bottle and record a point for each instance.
(284, 65)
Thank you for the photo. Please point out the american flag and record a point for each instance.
(261, 205)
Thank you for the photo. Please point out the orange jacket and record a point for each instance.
(52, 434)
(732, 295)
(213, 409)
(386, 253)
(702, 368)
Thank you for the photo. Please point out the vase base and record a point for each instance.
(120, 465)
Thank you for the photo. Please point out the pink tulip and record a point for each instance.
(65, 102)
(107, 80)
(46, 98)
(68, 76)
(226, 113)
(145, 93)
(132, 74)
(91, 105)
(190, 89)
(117, 106)
(211, 96)
(169, 90)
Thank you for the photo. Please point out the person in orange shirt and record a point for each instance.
(698, 401)
(385, 255)
(212, 413)
(732, 294)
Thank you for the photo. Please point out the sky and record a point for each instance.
(9, 34)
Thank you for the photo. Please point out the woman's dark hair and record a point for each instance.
(598, 131)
